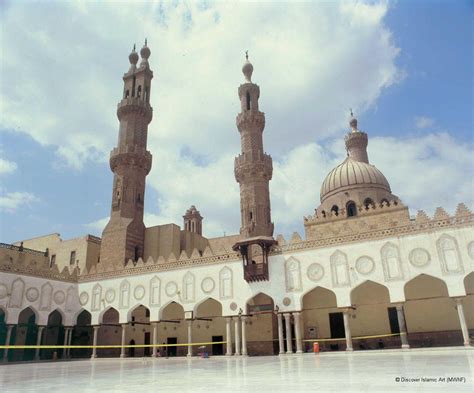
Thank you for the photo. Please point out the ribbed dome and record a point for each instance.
(353, 174)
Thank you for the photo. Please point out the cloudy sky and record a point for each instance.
(404, 67)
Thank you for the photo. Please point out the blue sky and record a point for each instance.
(405, 68)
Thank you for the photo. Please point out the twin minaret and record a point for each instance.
(123, 237)
(253, 168)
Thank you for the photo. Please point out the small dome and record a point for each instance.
(145, 52)
(353, 174)
(133, 57)
(247, 69)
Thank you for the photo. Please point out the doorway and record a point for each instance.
(217, 349)
(146, 350)
(131, 350)
(336, 324)
(172, 351)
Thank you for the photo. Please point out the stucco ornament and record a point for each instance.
(419, 257)
(315, 272)
(83, 298)
(365, 265)
(171, 288)
(233, 306)
(32, 294)
(110, 295)
(59, 297)
(208, 285)
(3, 291)
(139, 292)
(286, 301)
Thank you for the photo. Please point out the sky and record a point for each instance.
(405, 68)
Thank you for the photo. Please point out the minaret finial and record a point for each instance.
(146, 40)
(352, 114)
(246, 54)
(134, 47)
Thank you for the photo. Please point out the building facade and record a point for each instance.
(366, 275)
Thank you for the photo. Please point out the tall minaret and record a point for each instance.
(123, 237)
(253, 168)
(356, 142)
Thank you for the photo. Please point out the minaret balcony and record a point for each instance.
(251, 165)
(131, 156)
(250, 119)
(135, 105)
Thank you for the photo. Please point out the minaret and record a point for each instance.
(253, 168)
(356, 142)
(123, 237)
(193, 220)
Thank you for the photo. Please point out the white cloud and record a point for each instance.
(423, 122)
(13, 201)
(7, 167)
(97, 226)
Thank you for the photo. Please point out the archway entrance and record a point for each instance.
(53, 335)
(82, 335)
(209, 326)
(262, 329)
(172, 330)
(431, 315)
(138, 331)
(322, 319)
(110, 333)
(24, 333)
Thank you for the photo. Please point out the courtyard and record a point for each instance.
(430, 370)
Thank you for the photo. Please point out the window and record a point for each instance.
(136, 256)
(146, 93)
(384, 201)
(248, 101)
(127, 93)
(393, 319)
(251, 216)
(72, 258)
(351, 209)
(133, 85)
(368, 203)
(139, 91)
(335, 209)
(147, 313)
(53, 260)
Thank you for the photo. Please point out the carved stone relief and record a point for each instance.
(286, 301)
(59, 297)
(315, 271)
(225, 283)
(208, 285)
(419, 257)
(3, 291)
(392, 267)
(448, 253)
(188, 287)
(365, 265)
(340, 269)
(110, 295)
(96, 297)
(83, 298)
(32, 294)
(171, 288)
(16, 298)
(70, 297)
(233, 306)
(46, 297)
(139, 292)
(124, 294)
(293, 275)
(155, 294)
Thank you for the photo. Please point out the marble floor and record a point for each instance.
(419, 370)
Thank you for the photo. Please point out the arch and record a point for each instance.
(25, 333)
(96, 297)
(172, 310)
(369, 292)
(82, 316)
(124, 298)
(82, 334)
(3, 329)
(293, 275)
(323, 297)
(391, 262)
(155, 291)
(3, 311)
(138, 307)
(264, 331)
(262, 300)
(429, 287)
(351, 209)
(368, 203)
(27, 312)
(109, 314)
(225, 283)
(139, 91)
(248, 101)
(54, 316)
(335, 210)
(469, 283)
(188, 287)
(339, 269)
(384, 202)
(46, 297)
(16, 297)
(448, 252)
(208, 307)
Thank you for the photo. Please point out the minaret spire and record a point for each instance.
(356, 142)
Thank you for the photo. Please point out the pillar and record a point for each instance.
(94, 342)
(190, 337)
(71, 330)
(281, 342)
(403, 327)
(299, 343)
(38, 342)
(7, 342)
(289, 344)
(66, 340)
(124, 334)
(155, 340)
(462, 320)
(237, 336)
(347, 330)
(228, 333)
(244, 336)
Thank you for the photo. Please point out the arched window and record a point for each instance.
(384, 201)
(248, 101)
(351, 209)
(335, 210)
(133, 85)
(127, 93)
(136, 252)
(368, 203)
(146, 93)
(250, 216)
(323, 213)
(139, 91)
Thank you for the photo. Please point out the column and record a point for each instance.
(190, 337)
(228, 333)
(155, 340)
(347, 330)
(71, 330)
(289, 344)
(38, 341)
(124, 334)
(94, 342)
(237, 336)
(244, 336)
(299, 346)
(462, 320)
(281, 342)
(402, 326)
(7, 342)
(66, 339)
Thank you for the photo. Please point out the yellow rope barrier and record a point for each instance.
(106, 346)
(354, 338)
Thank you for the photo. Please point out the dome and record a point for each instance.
(352, 174)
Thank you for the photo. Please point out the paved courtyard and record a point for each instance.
(375, 371)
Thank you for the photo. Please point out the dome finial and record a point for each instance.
(353, 122)
(133, 57)
(247, 68)
(146, 40)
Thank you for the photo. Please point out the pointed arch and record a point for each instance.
(369, 292)
(81, 316)
(188, 287)
(208, 307)
(57, 315)
(135, 308)
(172, 310)
(16, 297)
(425, 286)
(226, 283)
(260, 302)
(448, 252)
(339, 269)
(124, 294)
(109, 314)
(70, 298)
(391, 262)
(46, 297)
(155, 292)
(96, 297)
(293, 275)
(318, 297)
(469, 283)
(27, 312)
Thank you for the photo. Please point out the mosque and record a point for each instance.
(366, 275)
